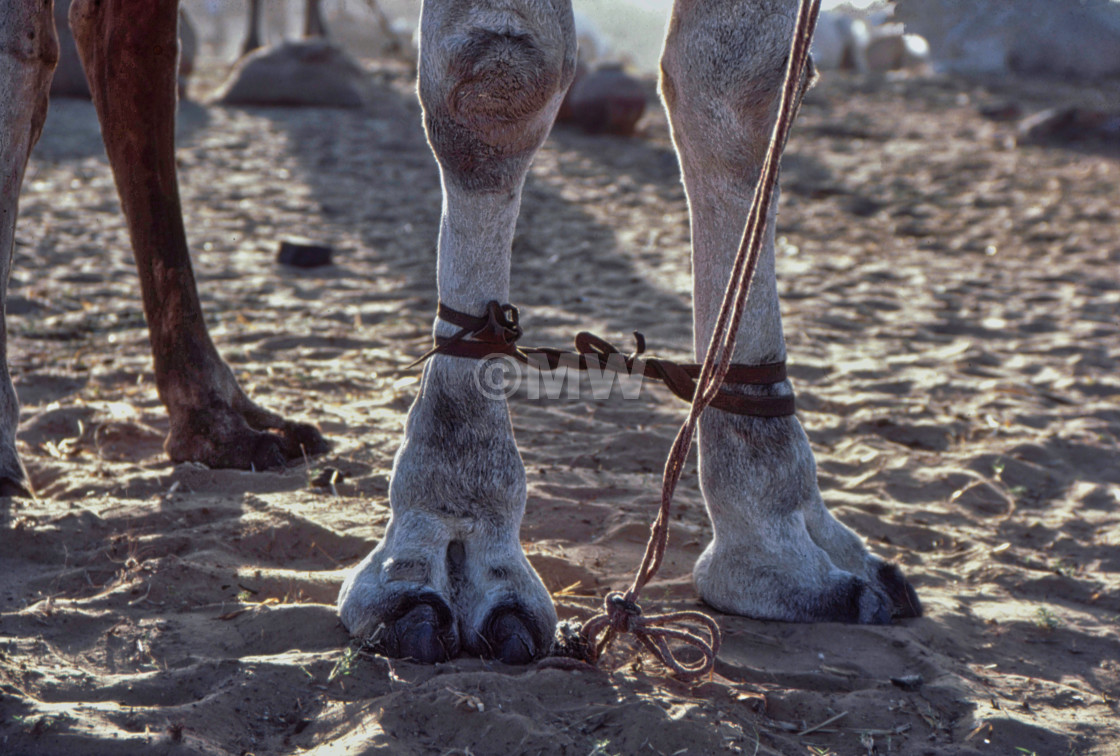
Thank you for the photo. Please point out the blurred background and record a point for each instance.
(635, 28)
(1050, 37)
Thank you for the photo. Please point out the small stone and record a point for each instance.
(328, 477)
(909, 683)
(1066, 125)
(303, 73)
(605, 100)
(1002, 111)
(300, 253)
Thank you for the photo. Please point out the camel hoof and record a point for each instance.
(10, 488)
(268, 453)
(423, 633)
(905, 603)
(226, 441)
(305, 439)
(878, 597)
(871, 606)
(509, 637)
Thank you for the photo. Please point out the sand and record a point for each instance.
(951, 305)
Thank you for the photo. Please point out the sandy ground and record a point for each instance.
(951, 307)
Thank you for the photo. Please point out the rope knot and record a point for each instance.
(616, 603)
(621, 611)
(502, 324)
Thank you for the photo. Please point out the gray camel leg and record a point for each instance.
(28, 55)
(776, 552)
(313, 25)
(450, 573)
(252, 28)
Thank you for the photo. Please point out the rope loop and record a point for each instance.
(497, 330)
(590, 344)
(621, 614)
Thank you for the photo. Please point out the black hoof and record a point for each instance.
(509, 637)
(268, 453)
(874, 610)
(851, 600)
(423, 634)
(904, 600)
(307, 439)
(11, 488)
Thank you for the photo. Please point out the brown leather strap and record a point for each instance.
(497, 331)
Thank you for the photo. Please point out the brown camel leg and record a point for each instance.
(28, 55)
(129, 52)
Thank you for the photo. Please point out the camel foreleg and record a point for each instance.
(28, 55)
(450, 573)
(776, 552)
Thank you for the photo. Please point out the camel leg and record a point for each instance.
(28, 55)
(313, 25)
(253, 30)
(129, 51)
(776, 552)
(450, 572)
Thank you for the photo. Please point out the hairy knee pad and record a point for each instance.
(490, 95)
(29, 44)
(722, 72)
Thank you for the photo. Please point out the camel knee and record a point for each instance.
(27, 34)
(722, 72)
(108, 32)
(28, 56)
(491, 82)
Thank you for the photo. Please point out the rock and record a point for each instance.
(305, 73)
(909, 683)
(328, 478)
(300, 253)
(1001, 111)
(564, 115)
(840, 42)
(604, 100)
(1065, 125)
(896, 52)
(1079, 39)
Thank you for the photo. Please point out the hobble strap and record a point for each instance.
(497, 331)
(479, 336)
